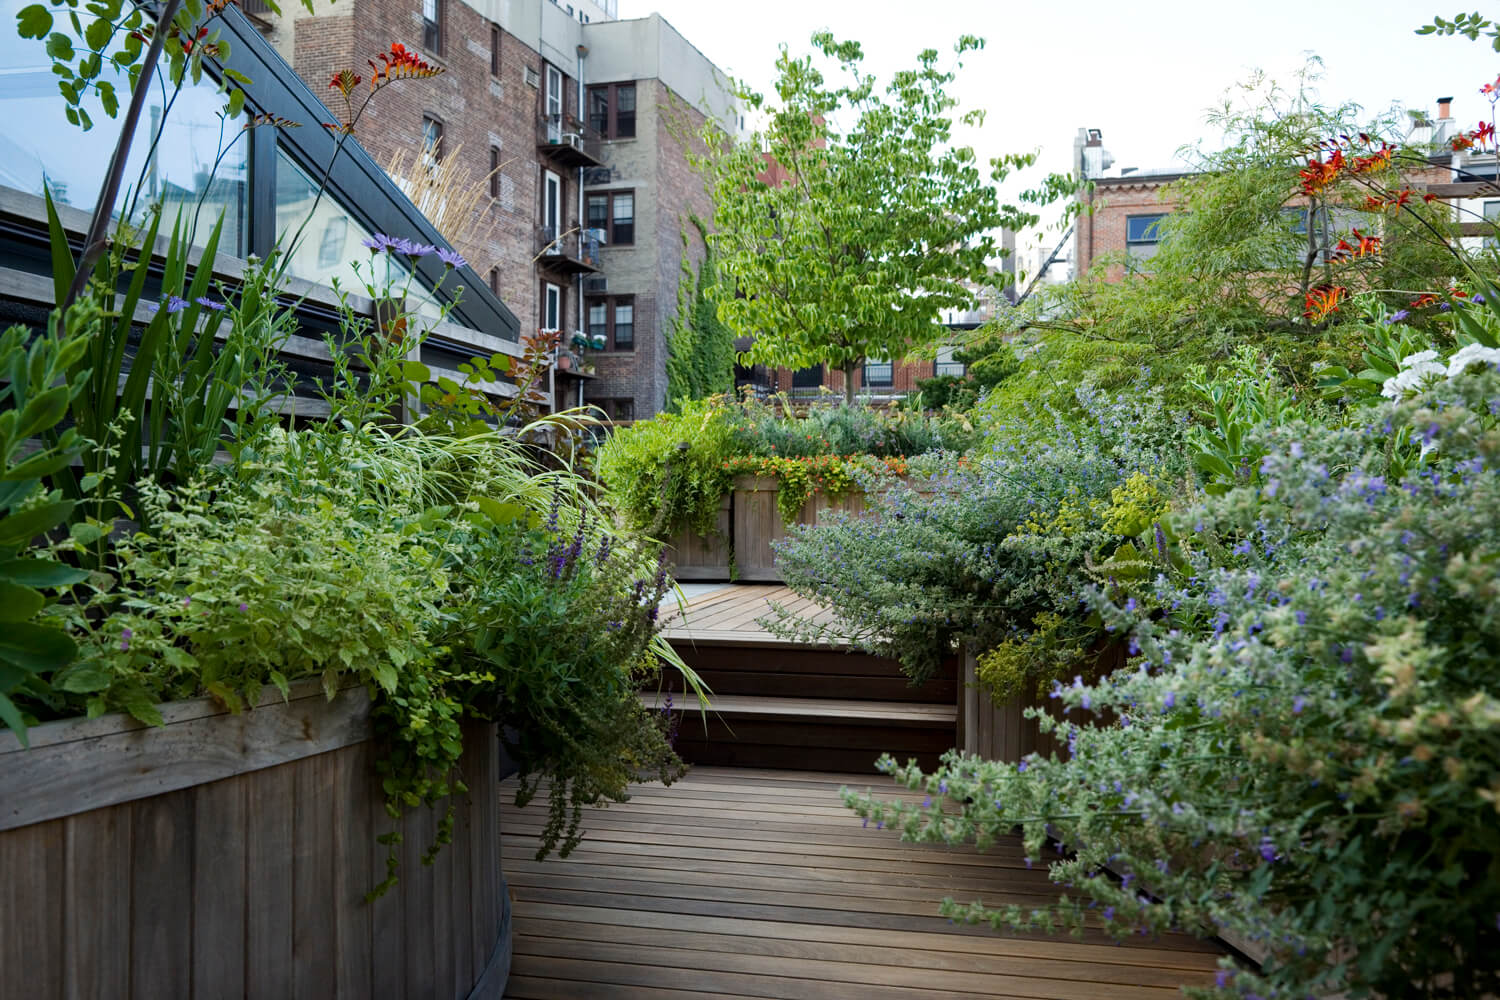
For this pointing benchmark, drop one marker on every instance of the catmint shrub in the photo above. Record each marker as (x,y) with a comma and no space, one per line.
(1307,751)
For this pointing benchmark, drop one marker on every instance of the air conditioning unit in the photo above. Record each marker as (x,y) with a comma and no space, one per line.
(532,78)
(596,283)
(573,139)
(597,235)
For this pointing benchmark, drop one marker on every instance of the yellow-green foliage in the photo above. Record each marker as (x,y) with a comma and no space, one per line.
(667,473)
(1134,507)
(1027,662)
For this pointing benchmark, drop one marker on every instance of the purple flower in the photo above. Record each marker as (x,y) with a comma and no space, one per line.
(187,602)
(1170,700)
(379,243)
(125,635)
(412,249)
(208,303)
(452,258)
(1302,618)
(1267,849)
(1109,913)
(244,607)
(1298,703)
(175,304)
(1398,316)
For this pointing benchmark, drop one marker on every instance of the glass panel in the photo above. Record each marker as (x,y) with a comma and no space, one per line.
(599,109)
(1491,214)
(625,111)
(1142,228)
(551,306)
(946,364)
(330,243)
(598,211)
(624,219)
(598,319)
(432,138)
(878,373)
(624,326)
(38,142)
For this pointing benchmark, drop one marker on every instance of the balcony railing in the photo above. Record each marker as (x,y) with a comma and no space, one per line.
(568,141)
(570,251)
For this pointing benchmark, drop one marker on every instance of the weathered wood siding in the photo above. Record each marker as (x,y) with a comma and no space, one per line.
(1002,732)
(697,557)
(757,523)
(229,856)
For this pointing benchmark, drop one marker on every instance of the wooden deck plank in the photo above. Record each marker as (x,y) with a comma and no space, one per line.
(894,713)
(731,615)
(759,883)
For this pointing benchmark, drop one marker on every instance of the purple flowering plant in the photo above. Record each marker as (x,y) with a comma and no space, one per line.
(1311,723)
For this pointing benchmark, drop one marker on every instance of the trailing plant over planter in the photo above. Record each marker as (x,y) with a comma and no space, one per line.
(670,473)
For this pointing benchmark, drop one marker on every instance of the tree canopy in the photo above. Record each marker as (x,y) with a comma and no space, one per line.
(846,227)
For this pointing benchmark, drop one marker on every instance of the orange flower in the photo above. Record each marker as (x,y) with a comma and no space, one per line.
(1323,300)
(344,81)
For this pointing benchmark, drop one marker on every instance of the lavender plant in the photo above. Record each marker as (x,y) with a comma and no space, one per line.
(561,622)
(997,556)
(1308,747)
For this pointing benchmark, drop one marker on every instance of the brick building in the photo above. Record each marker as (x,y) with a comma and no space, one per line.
(1123,212)
(577,125)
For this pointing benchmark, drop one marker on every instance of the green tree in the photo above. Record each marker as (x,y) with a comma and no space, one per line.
(700,348)
(846,241)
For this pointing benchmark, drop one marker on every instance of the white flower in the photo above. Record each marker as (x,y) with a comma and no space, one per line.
(1416,359)
(1412,379)
(1473,354)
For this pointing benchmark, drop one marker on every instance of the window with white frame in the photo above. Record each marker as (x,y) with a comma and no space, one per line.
(551,306)
(947,364)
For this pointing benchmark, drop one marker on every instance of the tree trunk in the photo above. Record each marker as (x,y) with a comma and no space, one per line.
(849,369)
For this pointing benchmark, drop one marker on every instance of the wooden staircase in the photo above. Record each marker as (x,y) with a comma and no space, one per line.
(779,704)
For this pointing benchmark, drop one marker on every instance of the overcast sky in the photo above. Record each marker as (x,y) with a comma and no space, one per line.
(1142,71)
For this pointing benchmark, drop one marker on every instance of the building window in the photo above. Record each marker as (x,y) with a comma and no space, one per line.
(1142,235)
(622,219)
(807,378)
(1492,216)
(612,110)
(879,374)
(331,246)
(946,363)
(614,319)
(551,306)
(613,214)
(432,26)
(494,172)
(623,338)
(494,50)
(619,410)
(432,138)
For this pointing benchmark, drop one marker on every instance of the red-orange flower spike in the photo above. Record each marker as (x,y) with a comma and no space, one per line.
(1484,133)
(344,81)
(1323,300)
(1424,300)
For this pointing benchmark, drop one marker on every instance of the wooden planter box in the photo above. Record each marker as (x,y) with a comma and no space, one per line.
(1002,732)
(702,558)
(229,855)
(757,523)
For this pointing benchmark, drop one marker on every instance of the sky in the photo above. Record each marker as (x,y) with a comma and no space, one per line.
(1144,72)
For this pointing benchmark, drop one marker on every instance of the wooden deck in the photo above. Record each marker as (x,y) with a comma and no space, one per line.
(727,613)
(753,883)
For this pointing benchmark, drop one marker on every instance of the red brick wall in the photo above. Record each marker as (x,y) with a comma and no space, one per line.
(478,111)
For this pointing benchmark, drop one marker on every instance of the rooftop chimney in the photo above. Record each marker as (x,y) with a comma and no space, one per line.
(1445,108)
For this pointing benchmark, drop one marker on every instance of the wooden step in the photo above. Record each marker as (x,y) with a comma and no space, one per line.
(804,672)
(823,733)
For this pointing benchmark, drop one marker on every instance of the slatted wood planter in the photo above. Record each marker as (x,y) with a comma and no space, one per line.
(229,855)
(1002,732)
(749,521)
(700,557)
